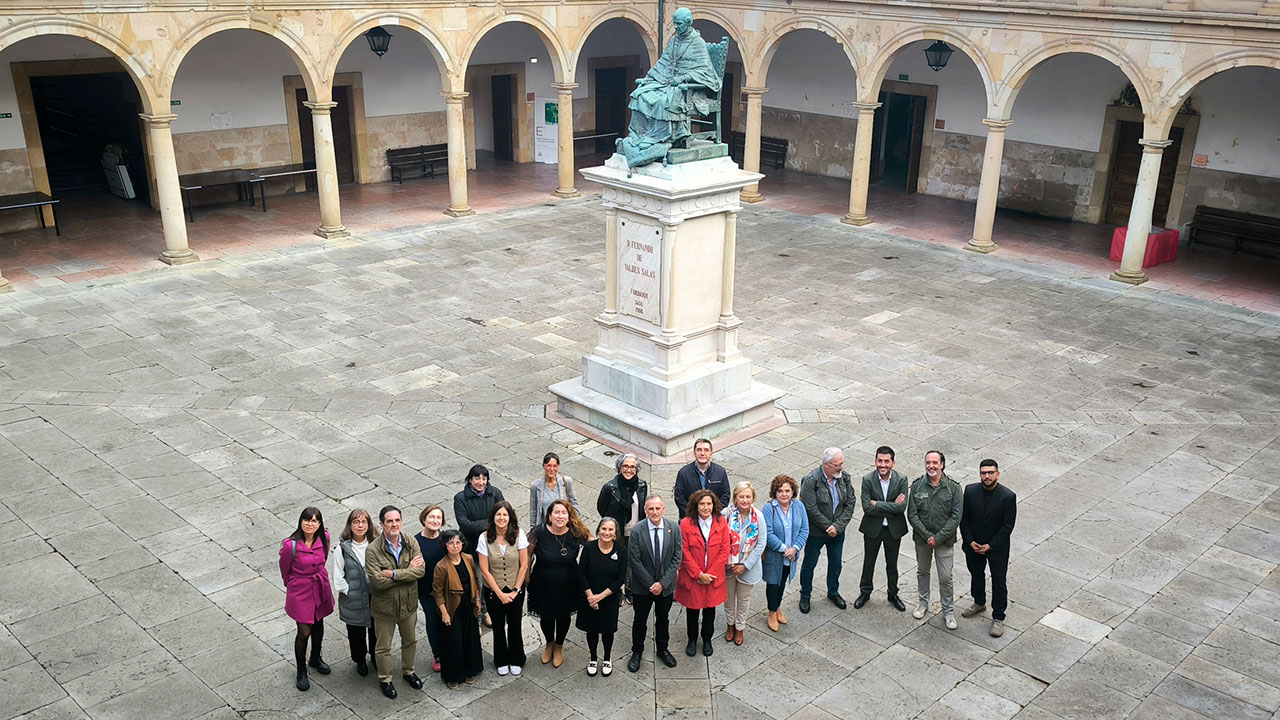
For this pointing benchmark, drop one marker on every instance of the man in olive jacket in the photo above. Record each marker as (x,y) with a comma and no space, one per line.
(828,498)
(394,565)
(884,522)
(934,513)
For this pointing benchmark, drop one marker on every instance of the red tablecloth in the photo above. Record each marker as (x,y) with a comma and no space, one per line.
(1162,245)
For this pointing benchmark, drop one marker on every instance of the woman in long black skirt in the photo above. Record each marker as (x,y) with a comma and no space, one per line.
(456,588)
(603,568)
(554,582)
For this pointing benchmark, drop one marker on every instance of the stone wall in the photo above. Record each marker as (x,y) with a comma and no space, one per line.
(1230,191)
(400,131)
(15,177)
(249,147)
(1046,180)
(819,144)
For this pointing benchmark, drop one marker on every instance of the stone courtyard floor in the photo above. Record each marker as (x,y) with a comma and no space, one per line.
(160,431)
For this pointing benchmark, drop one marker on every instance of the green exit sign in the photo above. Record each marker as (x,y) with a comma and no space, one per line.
(903,77)
(174,102)
(5,116)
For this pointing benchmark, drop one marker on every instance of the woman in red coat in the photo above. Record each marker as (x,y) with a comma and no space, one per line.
(704,535)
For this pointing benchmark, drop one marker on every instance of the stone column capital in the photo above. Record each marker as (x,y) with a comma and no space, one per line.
(1154,146)
(454,97)
(866,107)
(754,91)
(319,108)
(564,87)
(994,125)
(158,120)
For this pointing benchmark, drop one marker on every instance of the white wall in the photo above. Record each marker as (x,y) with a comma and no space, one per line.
(810,73)
(614,38)
(1238,128)
(962,97)
(404,81)
(238,72)
(50,47)
(1063,102)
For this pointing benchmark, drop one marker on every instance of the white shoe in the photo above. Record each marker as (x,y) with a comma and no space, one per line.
(504,669)
(919,612)
(951,622)
(606,668)
(591,667)
(515,670)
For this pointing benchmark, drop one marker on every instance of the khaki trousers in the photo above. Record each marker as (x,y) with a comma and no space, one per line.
(384,629)
(738,601)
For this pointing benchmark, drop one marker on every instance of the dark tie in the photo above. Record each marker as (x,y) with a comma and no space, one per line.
(657,564)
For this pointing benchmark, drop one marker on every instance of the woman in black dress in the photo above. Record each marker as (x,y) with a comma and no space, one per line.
(555,575)
(603,569)
(456,589)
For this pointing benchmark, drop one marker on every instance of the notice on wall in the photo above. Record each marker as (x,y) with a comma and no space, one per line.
(639,279)
(546,136)
(220,120)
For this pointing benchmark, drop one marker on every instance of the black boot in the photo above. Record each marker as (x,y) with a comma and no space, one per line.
(318,663)
(303,683)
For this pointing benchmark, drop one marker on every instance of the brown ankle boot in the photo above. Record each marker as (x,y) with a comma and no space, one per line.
(557,655)
(782,620)
(773,621)
(547,652)
(728,634)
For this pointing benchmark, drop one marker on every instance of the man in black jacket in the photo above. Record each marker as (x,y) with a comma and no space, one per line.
(990,510)
(701,474)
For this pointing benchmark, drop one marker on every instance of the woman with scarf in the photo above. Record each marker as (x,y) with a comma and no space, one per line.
(747,533)
(622,498)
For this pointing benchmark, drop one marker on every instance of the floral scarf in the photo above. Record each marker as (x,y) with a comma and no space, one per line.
(744,535)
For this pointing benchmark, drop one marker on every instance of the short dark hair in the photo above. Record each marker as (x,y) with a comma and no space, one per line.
(989,463)
(941,457)
(700,441)
(779,481)
(549,457)
(885,450)
(475,472)
(447,536)
(382,514)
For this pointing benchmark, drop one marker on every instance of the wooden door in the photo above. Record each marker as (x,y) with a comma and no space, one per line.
(918,105)
(503,142)
(611,105)
(340,120)
(1126,158)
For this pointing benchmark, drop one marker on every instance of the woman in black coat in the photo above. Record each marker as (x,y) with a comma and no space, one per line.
(603,569)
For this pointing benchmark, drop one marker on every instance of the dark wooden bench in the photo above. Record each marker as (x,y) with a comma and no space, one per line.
(773,151)
(37,200)
(417,161)
(1239,227)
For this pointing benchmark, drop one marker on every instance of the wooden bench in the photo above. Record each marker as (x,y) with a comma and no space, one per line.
(773,151)
(37,200)
(418,161)
(1239,227)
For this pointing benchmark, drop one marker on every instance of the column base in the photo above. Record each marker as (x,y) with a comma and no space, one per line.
(1129,277)
(333,233)
(5,287)
(463,211)
(566,194)
(980,247)
(859,220)
(179,257)
(750,196)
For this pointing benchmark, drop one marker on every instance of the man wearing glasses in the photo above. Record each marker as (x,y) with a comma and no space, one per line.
(990,510)
(828,498)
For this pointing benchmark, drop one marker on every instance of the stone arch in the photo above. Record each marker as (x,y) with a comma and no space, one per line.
(559,60)
(142,75)
(878,66)
(307,66)
(1181,90)
(428,34)
(720,19)
(1016,77)
(637,20)
(774,38)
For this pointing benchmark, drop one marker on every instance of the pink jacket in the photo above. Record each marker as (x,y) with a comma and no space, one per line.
(308,595)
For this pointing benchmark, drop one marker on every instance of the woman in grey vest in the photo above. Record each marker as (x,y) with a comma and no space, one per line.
(547,489)
(351,586)
(504,562)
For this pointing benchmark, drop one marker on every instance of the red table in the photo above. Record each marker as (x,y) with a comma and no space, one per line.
(1162,245)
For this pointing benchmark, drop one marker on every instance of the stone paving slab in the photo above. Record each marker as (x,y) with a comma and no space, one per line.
(159,433)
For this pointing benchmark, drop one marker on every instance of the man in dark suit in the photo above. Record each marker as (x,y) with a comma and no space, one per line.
(654,554)
(701,474)
(884,522)
(990,510)
(828,497)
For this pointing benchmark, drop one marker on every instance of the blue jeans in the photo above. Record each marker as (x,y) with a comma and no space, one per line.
(835,549)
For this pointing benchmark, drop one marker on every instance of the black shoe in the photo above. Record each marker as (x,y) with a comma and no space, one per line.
(362,668)
(667,658)
(692,648)
(414,681)
(861,600)
(389,690)
(303,683)
(896,602)
(706,647)
(634,663)
(838,601)
(804,605)
(319,664)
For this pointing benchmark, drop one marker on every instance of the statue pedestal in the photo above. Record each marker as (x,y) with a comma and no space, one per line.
(667,368)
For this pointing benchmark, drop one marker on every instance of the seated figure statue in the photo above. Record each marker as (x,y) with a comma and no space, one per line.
(676,87)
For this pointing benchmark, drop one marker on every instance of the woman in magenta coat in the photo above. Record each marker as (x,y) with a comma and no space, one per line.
(700,584)
(308,596)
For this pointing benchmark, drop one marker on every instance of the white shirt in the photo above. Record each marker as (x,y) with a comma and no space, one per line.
(705,526)
(482,546)
(884,492)
(649,528)
(636,512)
(338,565)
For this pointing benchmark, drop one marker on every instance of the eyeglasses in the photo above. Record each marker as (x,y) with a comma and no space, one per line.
(630,467)
(987,472)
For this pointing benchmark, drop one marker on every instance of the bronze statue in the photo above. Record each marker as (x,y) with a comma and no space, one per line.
(682,83)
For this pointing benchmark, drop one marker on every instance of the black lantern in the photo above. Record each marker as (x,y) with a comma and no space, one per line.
(936,54)
(380,41)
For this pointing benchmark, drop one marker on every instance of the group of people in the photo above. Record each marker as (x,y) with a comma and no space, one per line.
(721,548)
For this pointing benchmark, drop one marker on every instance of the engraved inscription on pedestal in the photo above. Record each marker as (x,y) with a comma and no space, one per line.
(639,277)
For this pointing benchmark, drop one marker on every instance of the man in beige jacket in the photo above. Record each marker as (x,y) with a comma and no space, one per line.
(394,565)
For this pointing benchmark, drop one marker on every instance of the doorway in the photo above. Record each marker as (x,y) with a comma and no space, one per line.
(503,125)
(898,140)
(78,117)
(340,119)
(728,99)
(611,106)
(1124,174)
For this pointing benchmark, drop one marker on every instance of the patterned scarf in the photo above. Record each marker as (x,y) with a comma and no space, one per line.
(747,534)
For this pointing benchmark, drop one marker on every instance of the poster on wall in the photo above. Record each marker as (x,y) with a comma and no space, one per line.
(546,131)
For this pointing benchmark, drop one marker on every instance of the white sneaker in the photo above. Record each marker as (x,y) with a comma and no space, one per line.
(591,667)
(515,669)
(951,622)
(504,669)
(919,612)
(606,668)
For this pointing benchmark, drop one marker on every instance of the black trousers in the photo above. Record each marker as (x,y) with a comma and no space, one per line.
(508,644)
(708,623)
(871,549)
(773,593)
(999,565)
(361,640)
(661,605)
